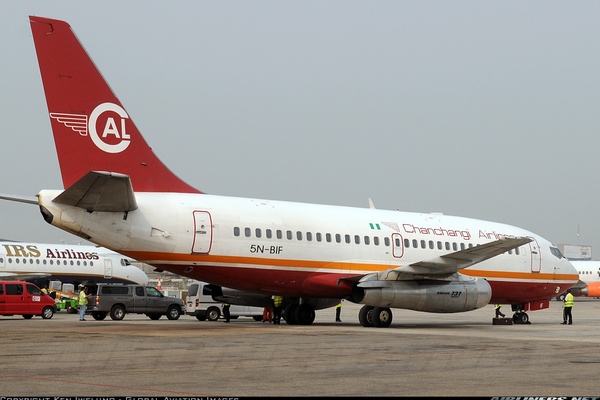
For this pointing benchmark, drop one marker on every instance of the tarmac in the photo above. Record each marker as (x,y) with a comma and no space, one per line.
(420,354)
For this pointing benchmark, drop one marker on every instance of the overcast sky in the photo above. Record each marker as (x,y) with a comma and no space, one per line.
(479,109)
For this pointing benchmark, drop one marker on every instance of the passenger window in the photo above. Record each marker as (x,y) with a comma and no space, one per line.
(347,237)
(356,239)
(367,240)
(440,247)
(258,232)
(269,233)
(386,241)
(309,236)
(279,234)
(236,231)
(423,246)
(328,237)
(319,236)
(397,242)
(431,245)
(338,238)
(376,240)
(406,243)
(247,232)
(298,235)
(289,235)
(415,243)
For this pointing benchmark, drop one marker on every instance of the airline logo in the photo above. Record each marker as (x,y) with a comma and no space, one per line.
(113,136)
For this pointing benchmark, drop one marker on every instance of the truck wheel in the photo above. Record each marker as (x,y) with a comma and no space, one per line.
(98,316)
(174,312)
(117,312)
(213,314)
(47,313)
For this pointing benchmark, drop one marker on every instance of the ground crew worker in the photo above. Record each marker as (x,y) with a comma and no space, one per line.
(568,303)
(277,300)
(226,312)
(338,311)
(498,312)
(83,302)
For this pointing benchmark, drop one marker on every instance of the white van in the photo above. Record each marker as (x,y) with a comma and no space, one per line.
(199,303)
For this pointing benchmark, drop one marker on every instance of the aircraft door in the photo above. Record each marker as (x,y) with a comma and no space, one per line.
(108,269)
(202,232)
(536,256)
(397,245)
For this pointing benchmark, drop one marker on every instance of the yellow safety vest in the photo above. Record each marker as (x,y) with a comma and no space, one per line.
(82,299)
(569,300)
(277,300)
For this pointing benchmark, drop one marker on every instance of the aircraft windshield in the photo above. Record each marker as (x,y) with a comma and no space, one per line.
(556,252)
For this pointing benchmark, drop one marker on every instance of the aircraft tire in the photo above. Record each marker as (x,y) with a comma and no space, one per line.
(47,313)
(382,317)
(304,314)
(365,316)
(521,318)
(289,314)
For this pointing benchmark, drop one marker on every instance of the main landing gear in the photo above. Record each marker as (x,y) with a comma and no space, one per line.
(379,317)
(520,316)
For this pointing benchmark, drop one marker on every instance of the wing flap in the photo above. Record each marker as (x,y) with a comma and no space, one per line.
(100,191)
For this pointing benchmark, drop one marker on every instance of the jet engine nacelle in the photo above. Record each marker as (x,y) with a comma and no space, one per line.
(466,294)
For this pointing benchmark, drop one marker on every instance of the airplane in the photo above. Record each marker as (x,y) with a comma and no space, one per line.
(589,279)
(118,194)
(78,264)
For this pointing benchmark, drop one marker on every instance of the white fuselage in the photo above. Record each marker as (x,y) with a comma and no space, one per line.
(302,249)
(67,263)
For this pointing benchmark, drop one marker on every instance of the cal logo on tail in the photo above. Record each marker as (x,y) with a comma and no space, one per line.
(92,130)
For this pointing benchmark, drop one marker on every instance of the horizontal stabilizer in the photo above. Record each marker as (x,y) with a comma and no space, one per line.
(100,191)
(453,262)
(20,199)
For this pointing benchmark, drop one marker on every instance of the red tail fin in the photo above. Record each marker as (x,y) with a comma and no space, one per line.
(92,130)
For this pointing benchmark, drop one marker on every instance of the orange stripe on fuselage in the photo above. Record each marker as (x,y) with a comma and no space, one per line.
(163,258)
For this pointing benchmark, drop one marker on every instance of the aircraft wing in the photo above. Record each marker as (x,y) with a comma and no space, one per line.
(15,276)
(100,191)
(453,262)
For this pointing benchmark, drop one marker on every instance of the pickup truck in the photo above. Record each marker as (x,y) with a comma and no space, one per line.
(117,300)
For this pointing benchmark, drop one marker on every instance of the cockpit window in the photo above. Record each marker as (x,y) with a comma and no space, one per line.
(125,262)
(556,252)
